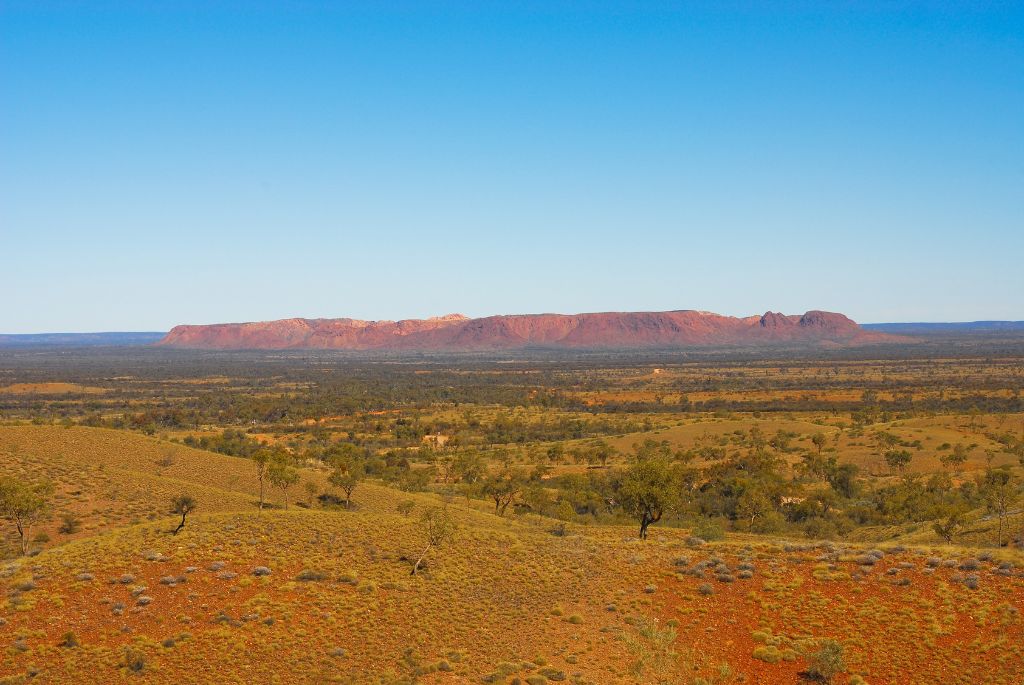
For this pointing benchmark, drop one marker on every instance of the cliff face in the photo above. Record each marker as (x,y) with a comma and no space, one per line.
(458,333)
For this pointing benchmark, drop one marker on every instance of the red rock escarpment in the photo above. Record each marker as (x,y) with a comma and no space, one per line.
(454,332)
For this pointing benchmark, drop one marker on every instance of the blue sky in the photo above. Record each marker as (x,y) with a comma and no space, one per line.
(165,163)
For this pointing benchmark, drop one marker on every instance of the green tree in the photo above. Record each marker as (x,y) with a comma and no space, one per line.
(311,490)
(503,488)
(282,474)
(898,459)
(556,452)
(182,505)
(469,466)
(998,489)
(752,505)
(25,505)
(819,440)
(261,460)
(949,528)
(648,491)
(599,452)
(650,448)
(957,457)
(814,466)
(843,479)
(346,475)
(885,441)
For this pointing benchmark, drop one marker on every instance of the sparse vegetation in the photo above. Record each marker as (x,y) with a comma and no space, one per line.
(777,522)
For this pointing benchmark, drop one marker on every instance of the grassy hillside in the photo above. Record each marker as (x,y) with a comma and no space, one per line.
(518,599)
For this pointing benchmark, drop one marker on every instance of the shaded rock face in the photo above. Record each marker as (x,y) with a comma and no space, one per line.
(775,321)
(454,332)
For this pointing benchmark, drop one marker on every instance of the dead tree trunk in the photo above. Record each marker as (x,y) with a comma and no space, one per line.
(416,566)
(646,519)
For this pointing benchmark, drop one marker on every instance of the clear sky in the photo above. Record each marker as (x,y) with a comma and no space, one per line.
(168,162)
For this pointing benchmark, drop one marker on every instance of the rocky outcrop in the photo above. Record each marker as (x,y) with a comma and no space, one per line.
(454,332)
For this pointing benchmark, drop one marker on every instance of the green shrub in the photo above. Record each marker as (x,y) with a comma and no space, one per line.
(708,529)
(827,662)
(133,659)
(69,524)
(769,654)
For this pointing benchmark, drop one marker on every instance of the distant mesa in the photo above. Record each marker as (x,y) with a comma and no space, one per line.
(605,330)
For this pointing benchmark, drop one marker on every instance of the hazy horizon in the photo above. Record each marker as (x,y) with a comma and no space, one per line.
(187,163)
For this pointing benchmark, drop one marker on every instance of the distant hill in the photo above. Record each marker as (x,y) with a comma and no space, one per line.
(609,330)
(923,328)
(78,339)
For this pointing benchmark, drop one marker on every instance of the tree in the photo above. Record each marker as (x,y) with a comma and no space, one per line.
(503,488)
(814,466)
(282,474)
(24,504)
(439,528)
(819,440)
(780,441)
(885,441)
(651,448)
(556,452)
(998,489)
(469,466)
(843,479)
(600,452)
(261,460)
(311,490)
(184,505)
(648,490)
(898,459)
(827,662)
(752,505)
(949,528)
(346,475)
(957,457)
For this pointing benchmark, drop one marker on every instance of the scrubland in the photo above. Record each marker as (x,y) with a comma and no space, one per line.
(792,520)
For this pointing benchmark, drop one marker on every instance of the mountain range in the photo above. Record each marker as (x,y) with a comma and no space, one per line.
(604,330)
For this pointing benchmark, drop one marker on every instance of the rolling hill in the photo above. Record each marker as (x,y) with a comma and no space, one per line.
(312,595)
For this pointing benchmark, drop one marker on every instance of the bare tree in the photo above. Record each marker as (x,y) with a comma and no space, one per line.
(439,528)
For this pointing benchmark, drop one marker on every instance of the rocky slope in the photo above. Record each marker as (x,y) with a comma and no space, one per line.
(455,332)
